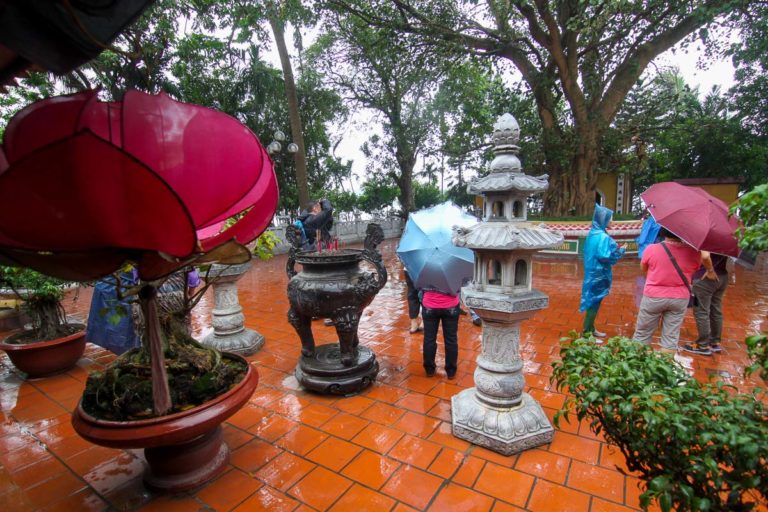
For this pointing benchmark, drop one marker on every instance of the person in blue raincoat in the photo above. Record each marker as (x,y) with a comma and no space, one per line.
(601,252)
(650,233)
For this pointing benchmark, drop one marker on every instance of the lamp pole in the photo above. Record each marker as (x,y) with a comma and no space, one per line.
(276,151)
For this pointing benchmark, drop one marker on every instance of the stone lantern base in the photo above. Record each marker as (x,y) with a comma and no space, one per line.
(503,430)
(229,333)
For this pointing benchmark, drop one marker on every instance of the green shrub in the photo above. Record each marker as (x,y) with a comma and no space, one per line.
(757,350)
(753,236)
(696,446)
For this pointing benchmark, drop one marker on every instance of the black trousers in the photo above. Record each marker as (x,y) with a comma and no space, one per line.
(450,320)
(414,305)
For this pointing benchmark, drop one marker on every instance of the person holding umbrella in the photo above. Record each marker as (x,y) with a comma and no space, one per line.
(670,266)
(601,252)
(709,284)
(439,269)
(437,308)
(701,222)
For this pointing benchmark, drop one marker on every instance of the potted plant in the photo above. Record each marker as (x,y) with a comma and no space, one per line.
(150,181)
(696,446)
(53,344)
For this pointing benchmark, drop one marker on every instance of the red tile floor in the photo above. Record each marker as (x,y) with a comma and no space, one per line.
(389,448)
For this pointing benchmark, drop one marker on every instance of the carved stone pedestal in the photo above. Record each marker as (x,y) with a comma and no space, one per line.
(324,372)
(496,413)
(229,333)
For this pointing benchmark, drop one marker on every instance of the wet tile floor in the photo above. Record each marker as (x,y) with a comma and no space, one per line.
(388,448)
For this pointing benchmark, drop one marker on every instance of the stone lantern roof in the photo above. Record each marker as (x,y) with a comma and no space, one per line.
(506,171)
(526,236)
(507,184)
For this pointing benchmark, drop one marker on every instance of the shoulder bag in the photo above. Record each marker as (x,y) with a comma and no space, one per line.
(692,300)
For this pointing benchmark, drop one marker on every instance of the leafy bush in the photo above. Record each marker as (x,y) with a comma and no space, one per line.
(264,248)
(696,446)
(753,236)
(753,212)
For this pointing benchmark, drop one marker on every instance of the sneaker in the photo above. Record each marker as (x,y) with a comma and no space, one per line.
(697,349)
(715,348)
(477,321)
(430,373)
(599,334)
(328,321)
(599,341)
(451,376)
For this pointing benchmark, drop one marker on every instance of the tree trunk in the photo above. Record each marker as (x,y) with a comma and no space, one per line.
(405,184)
(161,395)
(302,183)
(572,190)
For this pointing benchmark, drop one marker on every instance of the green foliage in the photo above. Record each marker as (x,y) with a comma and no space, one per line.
(265,245)
(377,193)
(426,195)
(577,60)
(752,209)
(342,201)
(696,446)
(757,350)
(34,87)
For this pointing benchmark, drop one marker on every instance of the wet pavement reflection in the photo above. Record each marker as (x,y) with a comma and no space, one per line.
(389,448)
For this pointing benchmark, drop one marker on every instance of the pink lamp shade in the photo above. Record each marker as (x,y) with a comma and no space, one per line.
(87,185)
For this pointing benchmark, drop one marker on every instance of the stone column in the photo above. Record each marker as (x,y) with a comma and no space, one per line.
(229,333)
(496,413)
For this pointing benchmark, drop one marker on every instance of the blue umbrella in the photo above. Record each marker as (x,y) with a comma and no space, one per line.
(426,250)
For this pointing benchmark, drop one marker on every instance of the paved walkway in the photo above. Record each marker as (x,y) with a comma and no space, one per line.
(390,448)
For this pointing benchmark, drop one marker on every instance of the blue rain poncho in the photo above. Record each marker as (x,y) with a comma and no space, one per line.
(601,252)
(649,234)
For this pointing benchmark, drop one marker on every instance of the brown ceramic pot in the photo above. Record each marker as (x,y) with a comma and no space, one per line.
(45,358)
(183,450)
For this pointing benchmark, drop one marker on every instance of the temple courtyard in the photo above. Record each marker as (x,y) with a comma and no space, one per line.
(389,448)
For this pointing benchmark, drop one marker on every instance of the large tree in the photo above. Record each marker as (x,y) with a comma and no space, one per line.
(373,69)
(587,53)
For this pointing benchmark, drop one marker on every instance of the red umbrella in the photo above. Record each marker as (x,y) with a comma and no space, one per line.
(693,215)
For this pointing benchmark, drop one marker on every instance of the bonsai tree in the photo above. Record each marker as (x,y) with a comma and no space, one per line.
(752,208)
(148,180)
(42,297)
(696,446)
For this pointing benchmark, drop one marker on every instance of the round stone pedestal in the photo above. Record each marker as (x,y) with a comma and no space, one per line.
(229,333)
(506,431)
(325,373)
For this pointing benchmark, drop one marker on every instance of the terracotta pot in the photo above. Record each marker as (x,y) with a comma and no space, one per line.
(183,450)
(45,358)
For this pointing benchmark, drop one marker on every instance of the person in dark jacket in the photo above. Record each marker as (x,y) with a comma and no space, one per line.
(317,216)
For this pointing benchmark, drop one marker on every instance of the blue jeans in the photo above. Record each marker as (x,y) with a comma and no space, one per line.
(450,319)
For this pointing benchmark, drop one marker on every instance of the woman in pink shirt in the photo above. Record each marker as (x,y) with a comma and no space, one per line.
(665,295)
(440,307)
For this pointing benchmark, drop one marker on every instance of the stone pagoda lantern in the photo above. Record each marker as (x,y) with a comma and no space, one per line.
(496,413)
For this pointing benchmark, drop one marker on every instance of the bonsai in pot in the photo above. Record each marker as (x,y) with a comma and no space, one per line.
(150,181)
(53,344)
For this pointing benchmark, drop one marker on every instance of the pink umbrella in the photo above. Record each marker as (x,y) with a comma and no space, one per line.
(86,185)
(694,215)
